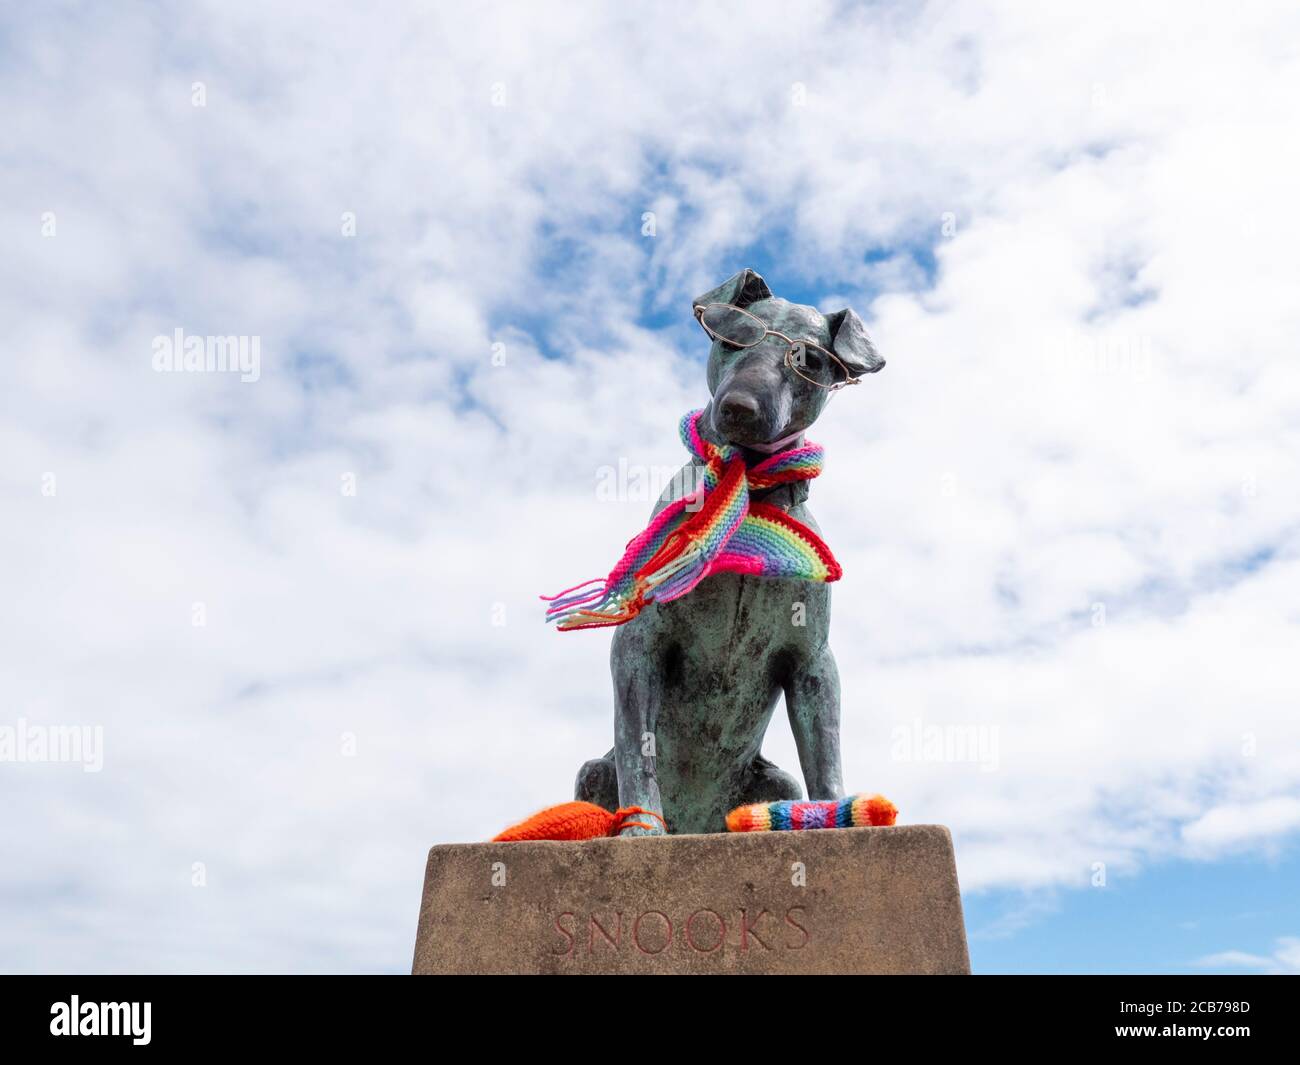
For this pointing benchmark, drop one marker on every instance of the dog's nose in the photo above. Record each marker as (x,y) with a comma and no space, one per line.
(739,409)
(740,417)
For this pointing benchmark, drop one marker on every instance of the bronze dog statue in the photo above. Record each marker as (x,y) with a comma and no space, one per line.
(696,680)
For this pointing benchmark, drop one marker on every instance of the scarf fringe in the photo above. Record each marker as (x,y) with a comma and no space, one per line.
(675,569)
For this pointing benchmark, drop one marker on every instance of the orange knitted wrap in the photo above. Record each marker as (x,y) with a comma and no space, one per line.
(575,820)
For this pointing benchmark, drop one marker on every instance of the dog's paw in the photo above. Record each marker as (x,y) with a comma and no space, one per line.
(638,821)
(641,830)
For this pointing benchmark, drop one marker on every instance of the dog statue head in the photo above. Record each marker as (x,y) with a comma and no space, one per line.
(774,364)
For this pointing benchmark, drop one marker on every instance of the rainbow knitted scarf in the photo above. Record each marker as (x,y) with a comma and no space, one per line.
(715,529)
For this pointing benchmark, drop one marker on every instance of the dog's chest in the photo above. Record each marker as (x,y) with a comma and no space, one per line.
(730,609)
(733,628)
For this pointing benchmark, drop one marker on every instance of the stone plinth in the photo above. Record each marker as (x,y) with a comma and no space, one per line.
(859,900)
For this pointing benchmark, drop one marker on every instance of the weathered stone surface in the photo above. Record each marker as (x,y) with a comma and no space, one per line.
(875,900)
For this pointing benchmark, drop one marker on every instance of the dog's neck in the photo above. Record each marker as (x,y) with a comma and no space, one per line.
(785,496)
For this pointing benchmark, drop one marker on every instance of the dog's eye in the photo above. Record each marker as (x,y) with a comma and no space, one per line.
(812,363)
(806,356)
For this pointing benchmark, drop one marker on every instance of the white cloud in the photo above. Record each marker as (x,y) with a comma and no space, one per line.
(1235,824)
(1094,404)
(1285,959)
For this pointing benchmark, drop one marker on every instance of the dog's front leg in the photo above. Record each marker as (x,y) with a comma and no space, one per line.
(636,706)
(812,698)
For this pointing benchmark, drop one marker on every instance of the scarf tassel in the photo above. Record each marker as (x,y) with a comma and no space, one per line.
(673,570)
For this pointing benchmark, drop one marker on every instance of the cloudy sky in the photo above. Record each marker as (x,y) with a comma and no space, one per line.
(301,610)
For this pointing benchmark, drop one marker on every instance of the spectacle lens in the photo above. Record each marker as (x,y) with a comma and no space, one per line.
(732,325)
(815,364)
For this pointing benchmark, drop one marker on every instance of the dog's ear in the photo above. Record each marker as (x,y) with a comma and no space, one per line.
(851,344)
(741,290)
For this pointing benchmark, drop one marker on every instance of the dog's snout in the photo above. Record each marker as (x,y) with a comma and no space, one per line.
(740,417)
(739,408)
(743,416)
(752,400)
